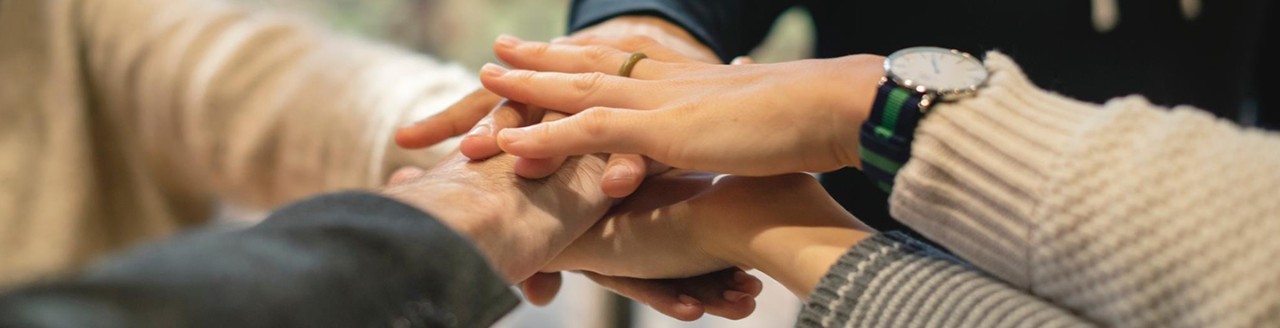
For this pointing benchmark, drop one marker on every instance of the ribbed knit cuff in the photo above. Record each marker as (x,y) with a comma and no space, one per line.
(978,164)
(833,300)
(891,280)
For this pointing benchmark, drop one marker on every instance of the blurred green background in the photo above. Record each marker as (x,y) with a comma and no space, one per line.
(463,30)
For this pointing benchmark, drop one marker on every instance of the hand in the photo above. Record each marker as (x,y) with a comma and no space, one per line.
(727,293)
(518,224)
(686,224)
(655,36)
(758,119)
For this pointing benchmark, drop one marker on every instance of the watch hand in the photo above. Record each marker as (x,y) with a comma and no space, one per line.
(935,65)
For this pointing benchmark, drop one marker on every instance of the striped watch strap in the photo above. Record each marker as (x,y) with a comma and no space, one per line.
(885,138)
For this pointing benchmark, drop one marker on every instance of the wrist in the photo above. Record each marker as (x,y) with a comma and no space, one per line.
(799,256)
(479,221)
(852,91)
(794,233)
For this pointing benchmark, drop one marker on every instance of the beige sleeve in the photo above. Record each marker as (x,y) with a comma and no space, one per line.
(1126,213)
(257,107)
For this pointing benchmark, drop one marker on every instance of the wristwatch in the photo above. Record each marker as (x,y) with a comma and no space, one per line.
(915,79)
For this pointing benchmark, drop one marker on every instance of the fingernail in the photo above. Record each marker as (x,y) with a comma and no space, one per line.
(688,300)
(735,296)
(507,41)
(480,130)
(619,172)
(559,39)
(492,69)
(741,277)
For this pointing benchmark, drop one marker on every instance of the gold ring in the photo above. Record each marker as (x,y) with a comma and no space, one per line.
(636,57)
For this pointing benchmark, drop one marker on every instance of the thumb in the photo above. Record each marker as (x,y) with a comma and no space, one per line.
(453,121)
(542,287)
(596,130)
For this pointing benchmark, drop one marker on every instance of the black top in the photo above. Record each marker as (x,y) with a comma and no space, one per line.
(340,260)
(1209,61)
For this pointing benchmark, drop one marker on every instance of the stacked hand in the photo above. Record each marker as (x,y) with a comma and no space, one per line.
(521,225)
(683,224)
(683,113)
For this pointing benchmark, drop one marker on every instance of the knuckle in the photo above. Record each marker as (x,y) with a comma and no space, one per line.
(597,54)
(594,122)
(588,83)
(640,41)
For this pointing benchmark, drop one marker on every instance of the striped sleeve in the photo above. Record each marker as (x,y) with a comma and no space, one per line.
(890,280)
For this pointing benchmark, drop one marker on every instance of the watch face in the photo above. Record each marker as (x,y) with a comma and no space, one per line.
(933,69)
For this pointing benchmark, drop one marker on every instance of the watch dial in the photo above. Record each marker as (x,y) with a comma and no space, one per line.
(936,69)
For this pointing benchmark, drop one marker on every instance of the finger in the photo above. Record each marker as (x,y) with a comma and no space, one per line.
(622,175)
(747,283)
(453,121)
(720,295)
(405,174)
(662,297)
(569,93)
(742,60)
(482,143)
(530,168)
(541,288)
(575,58)
(716,293)
(598,130)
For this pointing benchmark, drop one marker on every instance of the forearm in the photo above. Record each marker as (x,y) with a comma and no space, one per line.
(798,256)
(334,261)
(258,107)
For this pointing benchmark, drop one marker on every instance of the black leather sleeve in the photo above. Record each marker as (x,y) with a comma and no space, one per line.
(729,27)
(338,260)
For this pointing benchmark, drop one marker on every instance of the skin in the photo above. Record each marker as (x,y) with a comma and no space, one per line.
(687,224)
(482,114)
(522,224)
(758,120)
(654,36)
(518,224)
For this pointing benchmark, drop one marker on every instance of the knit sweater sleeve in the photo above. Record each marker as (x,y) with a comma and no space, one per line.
(1126,213)
(255,106)
(890,280)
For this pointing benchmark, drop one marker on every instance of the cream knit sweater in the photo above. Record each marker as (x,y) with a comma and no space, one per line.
(121,120)
(1125,214)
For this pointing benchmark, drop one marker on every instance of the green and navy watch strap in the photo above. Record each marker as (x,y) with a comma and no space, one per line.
(886,136)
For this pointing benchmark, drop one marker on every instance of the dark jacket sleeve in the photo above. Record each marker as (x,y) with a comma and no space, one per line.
(731,28)
(340,260)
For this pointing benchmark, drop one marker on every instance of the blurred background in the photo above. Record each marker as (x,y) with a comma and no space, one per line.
(462,31)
